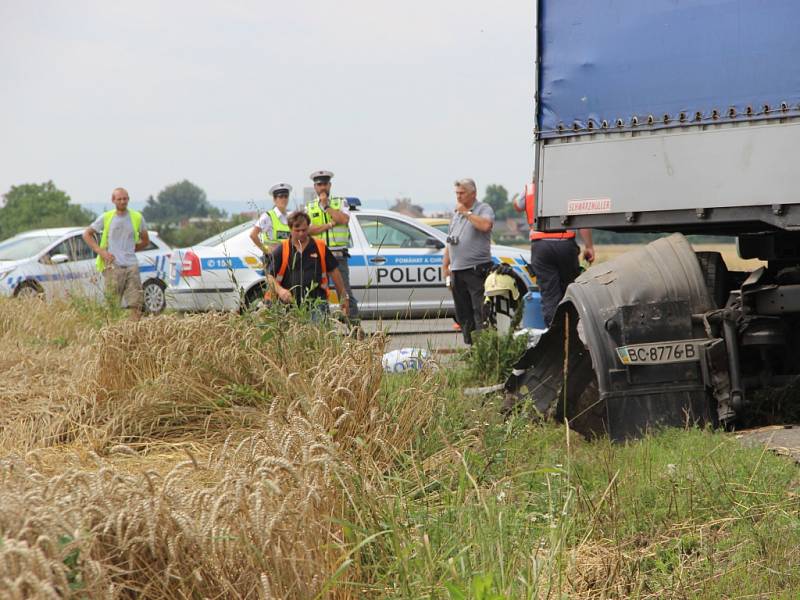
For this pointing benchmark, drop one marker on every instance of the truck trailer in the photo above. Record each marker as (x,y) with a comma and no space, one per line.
(679,117)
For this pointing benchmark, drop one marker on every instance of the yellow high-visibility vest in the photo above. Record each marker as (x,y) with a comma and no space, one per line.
(280,231)
(136,222)
(339,236)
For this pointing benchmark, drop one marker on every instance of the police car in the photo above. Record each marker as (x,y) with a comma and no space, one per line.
(58,263)
(436,222)
(395,268)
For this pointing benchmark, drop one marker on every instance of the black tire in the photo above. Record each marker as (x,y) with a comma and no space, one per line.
(715,273)
(543,381)
(29,289)
(155,298)
(254,297)
(584,410)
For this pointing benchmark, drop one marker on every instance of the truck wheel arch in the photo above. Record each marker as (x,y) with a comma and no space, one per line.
(646,295)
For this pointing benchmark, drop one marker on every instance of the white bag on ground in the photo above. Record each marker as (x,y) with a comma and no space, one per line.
(405,359)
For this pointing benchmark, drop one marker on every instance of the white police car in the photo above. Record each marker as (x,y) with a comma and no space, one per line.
(395,268)
(223,272)
(58,263)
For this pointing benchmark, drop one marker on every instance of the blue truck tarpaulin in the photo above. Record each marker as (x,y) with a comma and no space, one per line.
(610,60)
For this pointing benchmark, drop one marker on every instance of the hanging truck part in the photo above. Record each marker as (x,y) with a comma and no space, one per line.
(679,118)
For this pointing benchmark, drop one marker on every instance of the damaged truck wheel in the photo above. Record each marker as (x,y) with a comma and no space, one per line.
(641,357)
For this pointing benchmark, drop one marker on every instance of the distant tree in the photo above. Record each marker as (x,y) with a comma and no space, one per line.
(35,205)
(180,201)
(181,237)
(497,197)
(406,207)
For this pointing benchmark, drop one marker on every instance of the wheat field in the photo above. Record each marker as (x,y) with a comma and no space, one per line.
(200,457)
(728,251)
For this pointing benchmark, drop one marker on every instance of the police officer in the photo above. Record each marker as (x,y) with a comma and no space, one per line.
(272,226)
(330,218)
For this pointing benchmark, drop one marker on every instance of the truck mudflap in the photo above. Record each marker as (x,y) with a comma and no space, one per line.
(628,350)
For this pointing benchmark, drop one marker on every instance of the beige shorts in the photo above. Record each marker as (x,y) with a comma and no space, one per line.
(124,283)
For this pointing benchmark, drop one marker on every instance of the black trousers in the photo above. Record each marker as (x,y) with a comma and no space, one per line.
(343,258)
(466,285)
(555,263)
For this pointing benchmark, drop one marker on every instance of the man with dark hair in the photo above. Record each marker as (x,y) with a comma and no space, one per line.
(468,257)
(300,268)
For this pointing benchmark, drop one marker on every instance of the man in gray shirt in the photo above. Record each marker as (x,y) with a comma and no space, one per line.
(122,232)
(468,256)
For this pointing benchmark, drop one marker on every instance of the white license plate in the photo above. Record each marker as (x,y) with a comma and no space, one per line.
(661,353)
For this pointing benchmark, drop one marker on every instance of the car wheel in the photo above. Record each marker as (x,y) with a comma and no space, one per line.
(254,298)
(29,289)
(155,300)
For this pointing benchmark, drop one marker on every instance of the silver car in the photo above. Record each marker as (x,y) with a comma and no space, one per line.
(57,262)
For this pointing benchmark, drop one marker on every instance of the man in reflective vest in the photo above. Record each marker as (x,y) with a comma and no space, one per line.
(330,218)
(554,256)
(300,267)
(272,226)
(122,231)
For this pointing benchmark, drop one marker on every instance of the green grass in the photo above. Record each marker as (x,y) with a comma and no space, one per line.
(490,358)
(98,314)
(482,508)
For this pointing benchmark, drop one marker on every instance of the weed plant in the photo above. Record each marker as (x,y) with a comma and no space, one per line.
(491,357)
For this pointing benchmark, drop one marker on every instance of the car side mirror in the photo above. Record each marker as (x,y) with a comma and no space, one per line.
(58,259)
(432,242)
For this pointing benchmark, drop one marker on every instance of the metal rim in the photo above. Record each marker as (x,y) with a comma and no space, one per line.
(154,298)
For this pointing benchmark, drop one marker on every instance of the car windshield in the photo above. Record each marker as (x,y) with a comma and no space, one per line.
(219,238)
(20,247)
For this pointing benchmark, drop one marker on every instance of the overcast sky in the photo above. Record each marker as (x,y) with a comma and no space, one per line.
(397,98)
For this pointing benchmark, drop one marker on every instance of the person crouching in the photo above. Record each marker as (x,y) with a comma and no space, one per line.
(300,268)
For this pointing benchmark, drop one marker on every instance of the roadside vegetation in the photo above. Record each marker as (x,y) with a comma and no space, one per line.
(228,456)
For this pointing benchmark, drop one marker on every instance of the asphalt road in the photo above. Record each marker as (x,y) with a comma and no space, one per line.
(437,335)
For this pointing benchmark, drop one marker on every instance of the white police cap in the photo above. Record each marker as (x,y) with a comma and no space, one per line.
(321,176)
(280,187)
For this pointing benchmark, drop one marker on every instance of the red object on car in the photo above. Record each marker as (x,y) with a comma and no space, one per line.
(190,266)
